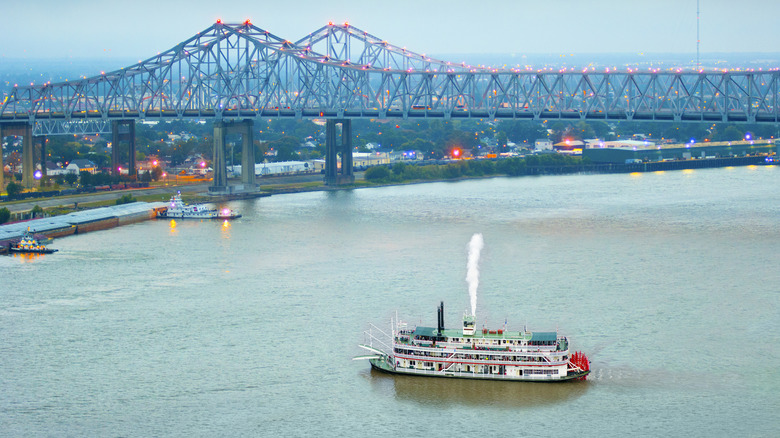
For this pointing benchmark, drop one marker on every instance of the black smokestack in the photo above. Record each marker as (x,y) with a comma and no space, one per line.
(441,318)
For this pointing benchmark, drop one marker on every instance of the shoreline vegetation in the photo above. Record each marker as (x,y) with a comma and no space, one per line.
(402,173)
(515,166)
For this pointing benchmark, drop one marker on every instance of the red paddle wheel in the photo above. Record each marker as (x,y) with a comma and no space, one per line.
(580,363)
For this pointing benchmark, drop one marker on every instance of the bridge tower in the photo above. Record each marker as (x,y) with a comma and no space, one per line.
(332,148)
(122,130)
(221,130)
(28,149)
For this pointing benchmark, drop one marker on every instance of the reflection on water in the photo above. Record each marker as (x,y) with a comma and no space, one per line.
(27,257)
(226,229)
(450,392)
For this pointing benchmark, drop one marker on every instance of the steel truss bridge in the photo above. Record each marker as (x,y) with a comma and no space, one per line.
(239,72)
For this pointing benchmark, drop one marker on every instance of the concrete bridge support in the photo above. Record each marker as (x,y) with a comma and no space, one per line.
(248,180)
(333,147)
(122,130)
(218,162)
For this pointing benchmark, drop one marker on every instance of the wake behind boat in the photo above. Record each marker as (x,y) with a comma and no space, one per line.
(177,209)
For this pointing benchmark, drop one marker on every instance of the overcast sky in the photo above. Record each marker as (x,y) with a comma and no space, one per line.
(139,29)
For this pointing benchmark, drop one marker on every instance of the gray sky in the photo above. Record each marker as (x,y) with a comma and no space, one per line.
(138,29)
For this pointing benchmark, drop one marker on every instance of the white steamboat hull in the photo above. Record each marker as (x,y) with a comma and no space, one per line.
(384,363)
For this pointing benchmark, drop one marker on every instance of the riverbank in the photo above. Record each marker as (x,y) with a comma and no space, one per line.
(304,183)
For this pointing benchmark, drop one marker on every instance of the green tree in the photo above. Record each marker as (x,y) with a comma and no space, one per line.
(522,131)
(502,140)
(377,174)
(36,211)
(125,199)
(85,178)
(5,215)
(285,148)
(13,189)
(600,129)
(732,133)
(71,178)
(584,130)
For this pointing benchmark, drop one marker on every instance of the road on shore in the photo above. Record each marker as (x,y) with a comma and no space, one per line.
(16,207)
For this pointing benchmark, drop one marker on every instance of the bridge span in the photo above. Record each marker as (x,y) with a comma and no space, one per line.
(237,73)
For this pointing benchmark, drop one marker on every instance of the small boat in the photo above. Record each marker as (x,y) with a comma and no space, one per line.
(29,244)
(472,354)
(177,209)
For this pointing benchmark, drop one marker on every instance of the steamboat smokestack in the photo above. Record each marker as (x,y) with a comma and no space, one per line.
(441,318)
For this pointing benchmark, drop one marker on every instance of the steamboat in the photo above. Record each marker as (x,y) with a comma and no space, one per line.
(468,353)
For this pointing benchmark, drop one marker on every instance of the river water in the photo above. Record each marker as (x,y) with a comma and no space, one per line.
(670,282)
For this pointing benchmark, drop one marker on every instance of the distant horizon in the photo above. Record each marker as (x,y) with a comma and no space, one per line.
(512,54)
(27,71)
(82,28)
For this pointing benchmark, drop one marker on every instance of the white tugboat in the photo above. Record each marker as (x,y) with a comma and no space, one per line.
(29,244)
(467,353)
(177,209)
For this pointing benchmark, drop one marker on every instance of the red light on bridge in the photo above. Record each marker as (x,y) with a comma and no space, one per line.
(219,21)
(247,23)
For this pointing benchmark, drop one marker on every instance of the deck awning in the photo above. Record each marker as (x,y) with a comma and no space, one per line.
(544,336)
(429,332)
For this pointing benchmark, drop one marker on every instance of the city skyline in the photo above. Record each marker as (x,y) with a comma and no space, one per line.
(84,29)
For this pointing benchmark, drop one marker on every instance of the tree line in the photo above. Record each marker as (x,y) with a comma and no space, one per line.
(514,166)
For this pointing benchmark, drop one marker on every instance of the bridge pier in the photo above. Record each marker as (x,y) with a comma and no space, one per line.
(219,163)
(333,147)
(122,130)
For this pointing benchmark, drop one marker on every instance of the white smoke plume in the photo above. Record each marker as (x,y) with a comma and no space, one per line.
(472,269)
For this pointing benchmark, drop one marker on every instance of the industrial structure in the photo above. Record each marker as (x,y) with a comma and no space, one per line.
(686,151)
(238,73)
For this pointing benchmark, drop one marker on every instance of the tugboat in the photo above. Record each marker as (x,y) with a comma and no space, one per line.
(177,209)
(29,244)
